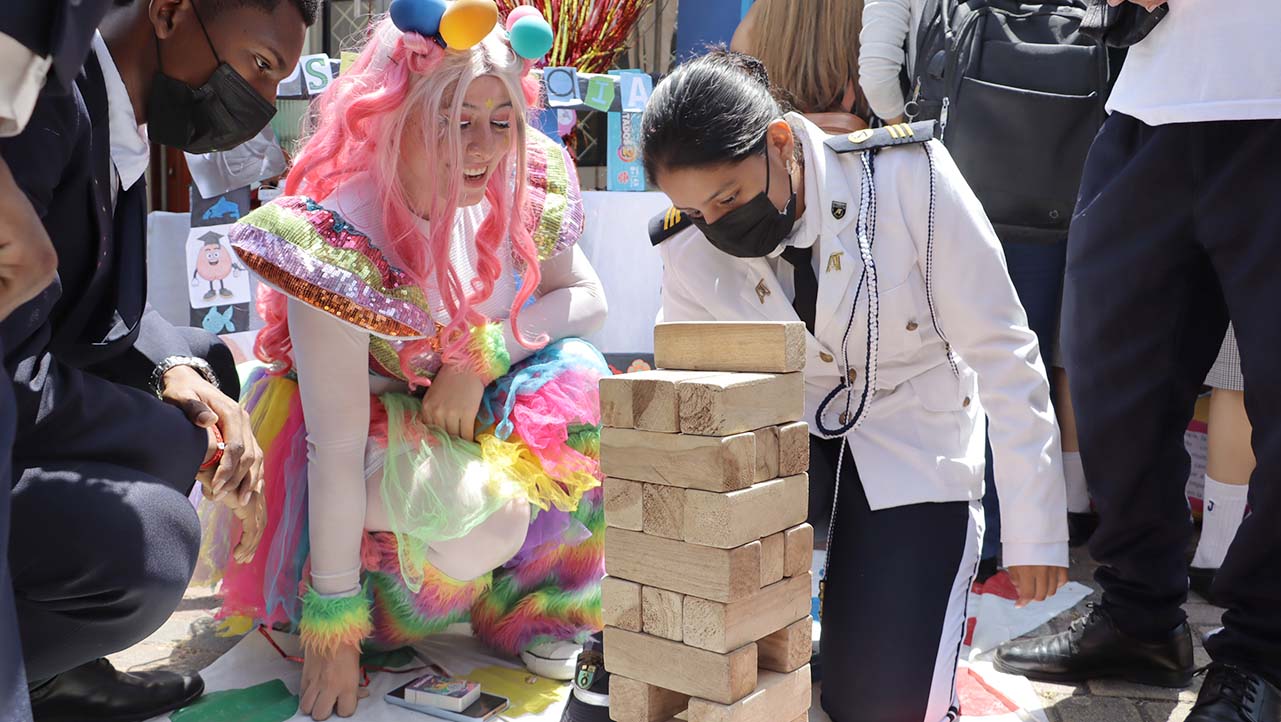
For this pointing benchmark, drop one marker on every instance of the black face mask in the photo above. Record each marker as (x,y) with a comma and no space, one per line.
(754,229)
(219,115)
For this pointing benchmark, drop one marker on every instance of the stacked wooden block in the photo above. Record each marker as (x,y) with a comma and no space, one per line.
(707,602)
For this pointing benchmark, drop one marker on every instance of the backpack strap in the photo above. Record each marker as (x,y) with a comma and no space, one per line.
(890,135)
(667,224)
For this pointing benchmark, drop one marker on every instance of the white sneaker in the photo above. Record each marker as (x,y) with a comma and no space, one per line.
(553,660)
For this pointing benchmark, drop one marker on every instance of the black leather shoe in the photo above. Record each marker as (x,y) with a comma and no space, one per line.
(1081,526)
(96,691)
(1232,694)
(1093,648)
(1200,580)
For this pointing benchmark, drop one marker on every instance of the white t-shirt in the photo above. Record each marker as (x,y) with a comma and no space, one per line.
(1208,60)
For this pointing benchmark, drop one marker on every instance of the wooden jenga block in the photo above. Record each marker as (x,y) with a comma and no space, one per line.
(777,697)
(772,548)
(798,551)
(620,602)
(733,403)
(719,627)
(767,459)
(663,510)
(645,400)
(699,462)
(634,701)
(723,575)
(661,613)
(623,504)
(793,448)
(789,648)
(760,347)
(616,402)
(734,519)
(723,678)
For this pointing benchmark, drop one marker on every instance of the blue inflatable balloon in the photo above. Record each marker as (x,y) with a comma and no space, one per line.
(531,37)
(418,16)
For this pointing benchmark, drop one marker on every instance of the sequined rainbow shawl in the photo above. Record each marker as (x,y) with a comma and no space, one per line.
(312,254)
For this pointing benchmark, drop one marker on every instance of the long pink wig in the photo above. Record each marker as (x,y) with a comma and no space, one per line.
(403,83)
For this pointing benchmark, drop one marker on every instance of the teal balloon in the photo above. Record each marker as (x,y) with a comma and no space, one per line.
(531,37)
(418,16)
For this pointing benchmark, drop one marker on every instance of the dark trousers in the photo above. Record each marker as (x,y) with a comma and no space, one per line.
(103,539)
(13,681)
(1177,228)
(894,601)
(1036,268)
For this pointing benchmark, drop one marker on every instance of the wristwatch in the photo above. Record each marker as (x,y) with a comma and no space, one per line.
(200,365)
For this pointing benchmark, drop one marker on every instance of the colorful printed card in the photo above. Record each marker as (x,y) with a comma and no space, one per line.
(434,690)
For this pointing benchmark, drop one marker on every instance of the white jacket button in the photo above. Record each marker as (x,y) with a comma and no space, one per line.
(825,357)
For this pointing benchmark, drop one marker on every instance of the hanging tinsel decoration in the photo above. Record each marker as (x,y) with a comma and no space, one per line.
(589,34)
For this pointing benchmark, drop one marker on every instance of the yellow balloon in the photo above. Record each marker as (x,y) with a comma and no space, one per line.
(467,22)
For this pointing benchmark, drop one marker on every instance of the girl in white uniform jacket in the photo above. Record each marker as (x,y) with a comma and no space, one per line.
(780,222)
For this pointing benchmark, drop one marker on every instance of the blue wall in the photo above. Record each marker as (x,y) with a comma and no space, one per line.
(700,23)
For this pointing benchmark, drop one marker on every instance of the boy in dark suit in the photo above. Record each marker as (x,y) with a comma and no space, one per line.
(103,540)
(38,42)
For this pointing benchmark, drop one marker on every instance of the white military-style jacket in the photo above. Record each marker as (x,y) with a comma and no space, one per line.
(951,339)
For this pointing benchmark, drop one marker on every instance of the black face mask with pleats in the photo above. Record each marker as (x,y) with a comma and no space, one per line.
(754,229)
(221,114)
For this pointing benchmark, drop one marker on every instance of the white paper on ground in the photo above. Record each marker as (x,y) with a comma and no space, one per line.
(254,661)
(997,620)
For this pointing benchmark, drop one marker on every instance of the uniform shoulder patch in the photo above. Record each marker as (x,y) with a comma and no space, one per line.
(890,135)
(667,224)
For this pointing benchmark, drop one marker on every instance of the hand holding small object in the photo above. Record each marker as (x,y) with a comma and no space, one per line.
(1036,583)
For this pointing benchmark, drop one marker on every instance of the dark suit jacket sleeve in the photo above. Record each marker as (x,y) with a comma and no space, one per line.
(61,29)
(157,340)
(40,156)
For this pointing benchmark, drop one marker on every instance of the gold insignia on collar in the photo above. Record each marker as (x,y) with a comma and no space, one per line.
(861,136)
(899,131)
(834,261)
(671,218)
(762,291)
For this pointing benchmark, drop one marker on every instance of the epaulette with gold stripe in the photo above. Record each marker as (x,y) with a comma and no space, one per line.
(667,224)
(890,135)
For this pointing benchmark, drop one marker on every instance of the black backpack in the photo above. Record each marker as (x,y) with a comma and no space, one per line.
(1019,94)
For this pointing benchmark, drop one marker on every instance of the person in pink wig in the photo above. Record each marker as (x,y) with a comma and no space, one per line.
(429,416)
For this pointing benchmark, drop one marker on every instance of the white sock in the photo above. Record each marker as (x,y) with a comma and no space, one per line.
(1078,496)
(1224,510)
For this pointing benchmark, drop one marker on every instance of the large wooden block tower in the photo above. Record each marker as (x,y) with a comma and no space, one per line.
(707,602)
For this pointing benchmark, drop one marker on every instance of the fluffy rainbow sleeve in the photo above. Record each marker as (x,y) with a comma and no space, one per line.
(332,622)
(487,348)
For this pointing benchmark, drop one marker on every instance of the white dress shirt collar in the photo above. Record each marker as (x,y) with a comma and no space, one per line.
(130,149)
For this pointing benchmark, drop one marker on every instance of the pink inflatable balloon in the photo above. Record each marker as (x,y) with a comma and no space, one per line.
(520,12)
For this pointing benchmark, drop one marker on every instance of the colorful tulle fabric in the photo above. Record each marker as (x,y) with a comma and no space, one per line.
(539,442)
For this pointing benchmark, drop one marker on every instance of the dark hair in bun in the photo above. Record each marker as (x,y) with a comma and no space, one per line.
(711,110)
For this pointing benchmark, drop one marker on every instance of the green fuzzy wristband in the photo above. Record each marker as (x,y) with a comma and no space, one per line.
(329,623)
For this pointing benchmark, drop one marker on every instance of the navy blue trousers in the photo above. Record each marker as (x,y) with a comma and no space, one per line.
(103,539)
(1177,229)
(1036,261)
(13,681)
